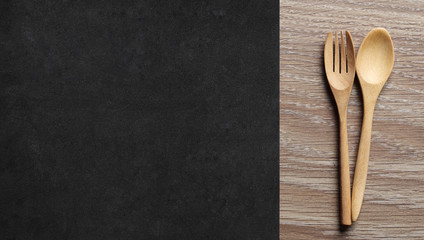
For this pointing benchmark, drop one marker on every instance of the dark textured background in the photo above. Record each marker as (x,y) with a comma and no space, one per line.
(139,120)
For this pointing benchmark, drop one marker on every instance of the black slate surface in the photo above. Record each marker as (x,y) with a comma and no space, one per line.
(139,119)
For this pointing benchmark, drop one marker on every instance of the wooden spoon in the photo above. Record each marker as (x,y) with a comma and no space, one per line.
(374,63)
(340,70)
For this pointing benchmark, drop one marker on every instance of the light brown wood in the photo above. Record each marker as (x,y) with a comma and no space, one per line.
(393,205)
(374,64)
(341,82)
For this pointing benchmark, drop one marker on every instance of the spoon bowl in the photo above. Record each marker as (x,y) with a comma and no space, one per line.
(375,59)
(374,63)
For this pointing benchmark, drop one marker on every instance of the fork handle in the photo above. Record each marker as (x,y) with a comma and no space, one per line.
(361,168)
(345,204)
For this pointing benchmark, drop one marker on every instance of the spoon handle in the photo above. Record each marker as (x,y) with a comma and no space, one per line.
(361,168)
(346,216)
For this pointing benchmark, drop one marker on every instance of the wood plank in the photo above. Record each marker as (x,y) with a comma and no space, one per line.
(393,205)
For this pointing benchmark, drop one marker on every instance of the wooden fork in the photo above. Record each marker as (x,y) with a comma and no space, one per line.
(340,70)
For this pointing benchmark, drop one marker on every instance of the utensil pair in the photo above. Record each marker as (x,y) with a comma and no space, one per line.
(373,65)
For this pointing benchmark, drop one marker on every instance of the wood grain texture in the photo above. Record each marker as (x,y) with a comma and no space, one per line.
(393,206)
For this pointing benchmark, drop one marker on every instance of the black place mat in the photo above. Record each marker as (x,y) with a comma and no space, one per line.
(139,120)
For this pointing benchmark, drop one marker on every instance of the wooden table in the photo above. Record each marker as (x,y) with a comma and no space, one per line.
(393,206)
